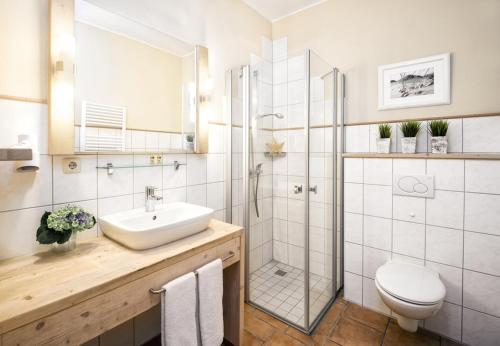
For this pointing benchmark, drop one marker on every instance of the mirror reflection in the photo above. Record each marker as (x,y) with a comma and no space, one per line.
(135,87)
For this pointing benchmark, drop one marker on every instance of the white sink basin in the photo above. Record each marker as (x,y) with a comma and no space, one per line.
(139,230)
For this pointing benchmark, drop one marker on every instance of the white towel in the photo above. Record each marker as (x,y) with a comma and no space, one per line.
(210,303)
(178,315)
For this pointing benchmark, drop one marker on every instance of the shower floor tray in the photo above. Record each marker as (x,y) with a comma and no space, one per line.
(283,294)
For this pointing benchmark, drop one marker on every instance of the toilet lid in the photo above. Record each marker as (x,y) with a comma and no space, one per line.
(412,283)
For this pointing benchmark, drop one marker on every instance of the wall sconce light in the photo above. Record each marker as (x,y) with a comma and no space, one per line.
(64,54)
(206,90)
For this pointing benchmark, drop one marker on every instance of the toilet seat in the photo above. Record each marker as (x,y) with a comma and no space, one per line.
(411,283)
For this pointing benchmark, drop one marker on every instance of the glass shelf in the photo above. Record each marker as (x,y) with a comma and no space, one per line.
(110,167)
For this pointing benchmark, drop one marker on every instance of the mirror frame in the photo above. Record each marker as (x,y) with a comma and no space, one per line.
(62,84)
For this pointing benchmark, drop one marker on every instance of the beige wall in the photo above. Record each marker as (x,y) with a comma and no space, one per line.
(233,32)
(24,48)
(116,70)
(358,35)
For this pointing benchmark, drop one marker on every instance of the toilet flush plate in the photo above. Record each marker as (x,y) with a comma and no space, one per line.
(414,185)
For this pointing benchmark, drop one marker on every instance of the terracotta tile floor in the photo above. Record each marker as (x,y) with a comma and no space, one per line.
(344,324)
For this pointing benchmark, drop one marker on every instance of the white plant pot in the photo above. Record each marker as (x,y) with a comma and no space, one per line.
(409,145)
(439,145)
(383,145)
(189,145)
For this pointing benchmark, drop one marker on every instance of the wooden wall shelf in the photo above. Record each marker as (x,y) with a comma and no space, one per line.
(451,156)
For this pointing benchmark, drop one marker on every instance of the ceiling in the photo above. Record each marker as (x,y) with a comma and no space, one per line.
(183,20)
(179,20)
(274,10)
(88,13)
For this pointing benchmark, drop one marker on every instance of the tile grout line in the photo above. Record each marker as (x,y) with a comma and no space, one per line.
(425,227)
(463,255)
(363,236)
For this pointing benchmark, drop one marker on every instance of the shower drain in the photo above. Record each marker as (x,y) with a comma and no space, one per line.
(280,272)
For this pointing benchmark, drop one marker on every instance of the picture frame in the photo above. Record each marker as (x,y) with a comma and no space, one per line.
(415,83)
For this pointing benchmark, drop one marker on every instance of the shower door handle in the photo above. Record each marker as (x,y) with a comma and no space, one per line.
(314,189)
(297,189)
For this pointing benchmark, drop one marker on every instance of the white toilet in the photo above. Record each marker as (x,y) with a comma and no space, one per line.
(413,292)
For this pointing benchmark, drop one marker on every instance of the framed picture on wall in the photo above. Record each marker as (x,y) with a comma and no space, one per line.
(415,83)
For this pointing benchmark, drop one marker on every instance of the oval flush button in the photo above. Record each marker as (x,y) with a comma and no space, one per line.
(420,188)
(412,214)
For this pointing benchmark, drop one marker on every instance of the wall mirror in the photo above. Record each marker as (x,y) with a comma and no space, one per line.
(135,89)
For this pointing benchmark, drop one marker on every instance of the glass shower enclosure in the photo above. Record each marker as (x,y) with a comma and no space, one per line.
(284,133)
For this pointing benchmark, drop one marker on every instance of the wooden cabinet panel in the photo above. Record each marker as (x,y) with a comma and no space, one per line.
(93,317)
(107,285)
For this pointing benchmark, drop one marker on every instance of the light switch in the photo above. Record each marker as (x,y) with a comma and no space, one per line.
(414,185)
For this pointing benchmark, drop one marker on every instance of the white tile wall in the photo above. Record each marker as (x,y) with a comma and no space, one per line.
(482,253)
(27,189)
(444,245)
(377,232)
(452,280)
(408,238)
(377,200)
(446,209)
(353,288)
(481,292)
(353,225)
(448,174)
(372,260)
(353,258)
(456,233)
(357,139)
(25,196)
(371,298)
(482,176)
(447,321)
(468,135)
(482,213)
(378,172)
(479,329)
(480,135)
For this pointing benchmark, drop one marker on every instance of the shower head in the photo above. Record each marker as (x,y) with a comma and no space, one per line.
(277,115)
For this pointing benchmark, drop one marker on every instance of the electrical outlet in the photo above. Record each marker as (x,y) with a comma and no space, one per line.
(71,165)
(155,159)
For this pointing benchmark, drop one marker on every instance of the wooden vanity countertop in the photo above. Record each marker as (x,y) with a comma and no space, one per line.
(38,285)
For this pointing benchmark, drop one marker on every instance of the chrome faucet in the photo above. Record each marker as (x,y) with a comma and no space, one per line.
(151,198)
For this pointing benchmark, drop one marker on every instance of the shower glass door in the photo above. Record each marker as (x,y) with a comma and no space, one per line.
(281,135)
(321,175)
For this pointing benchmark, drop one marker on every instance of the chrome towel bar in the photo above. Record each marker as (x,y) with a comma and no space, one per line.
(230,255)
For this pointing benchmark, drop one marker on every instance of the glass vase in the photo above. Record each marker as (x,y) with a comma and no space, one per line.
(65,247)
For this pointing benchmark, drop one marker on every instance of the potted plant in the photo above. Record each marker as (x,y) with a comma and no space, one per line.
(438,130)
(189,142)
(61,227)
(410,131)
(384,140)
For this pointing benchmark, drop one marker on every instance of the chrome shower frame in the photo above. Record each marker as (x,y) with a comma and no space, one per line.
(337,150)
